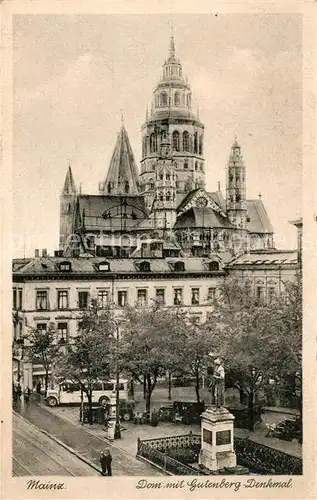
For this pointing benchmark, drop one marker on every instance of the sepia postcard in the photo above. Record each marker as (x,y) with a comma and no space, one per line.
(158,223)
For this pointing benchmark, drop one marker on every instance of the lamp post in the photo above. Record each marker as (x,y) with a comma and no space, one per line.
(117,432)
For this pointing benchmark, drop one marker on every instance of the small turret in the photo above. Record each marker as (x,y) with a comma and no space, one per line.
(67,209)
(236,187)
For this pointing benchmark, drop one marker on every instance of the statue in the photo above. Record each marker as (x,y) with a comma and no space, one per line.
(218,384)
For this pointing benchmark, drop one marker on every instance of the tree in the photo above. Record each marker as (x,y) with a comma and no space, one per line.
(248,335)
(195,345)
(87,358)
(42,344)
(148,337)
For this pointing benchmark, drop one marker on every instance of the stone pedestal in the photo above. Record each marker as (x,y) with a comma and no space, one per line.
(217,451)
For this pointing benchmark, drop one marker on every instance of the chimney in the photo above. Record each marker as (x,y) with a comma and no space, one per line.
(44,252)
(36,252)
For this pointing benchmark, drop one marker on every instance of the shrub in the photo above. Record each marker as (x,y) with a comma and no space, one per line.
(183,455)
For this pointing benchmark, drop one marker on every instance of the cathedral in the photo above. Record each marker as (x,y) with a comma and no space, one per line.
(163,209)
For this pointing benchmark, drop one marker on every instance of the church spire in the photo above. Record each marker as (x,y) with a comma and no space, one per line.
(69,184)
(172,47)
(123,176)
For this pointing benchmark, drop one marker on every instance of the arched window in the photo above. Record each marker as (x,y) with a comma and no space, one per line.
(164,99)
(213,266)
(177,99)
(201,145)
(168,196)
(167,176)
(185,166)
(196,165)
(110,187)
(175,140)
(185,141)
(126,186)
(151,183)
(238,196)
(161,197)
(152,143)
(188,100)
(176,181)
(195,142)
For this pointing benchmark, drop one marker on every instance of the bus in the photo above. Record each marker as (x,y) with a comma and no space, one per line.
(68,392)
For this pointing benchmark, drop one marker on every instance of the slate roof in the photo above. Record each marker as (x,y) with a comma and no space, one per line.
(259,219)
(94,206)
(123,168)
(219,199)
(48,266)
(277,257)
(202,217)
(174,113)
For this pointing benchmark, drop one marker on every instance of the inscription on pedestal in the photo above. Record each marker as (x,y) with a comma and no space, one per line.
(223,437)
(207,436)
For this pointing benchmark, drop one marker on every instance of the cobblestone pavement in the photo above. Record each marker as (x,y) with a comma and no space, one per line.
(85,443)
(132,431)
(35,454)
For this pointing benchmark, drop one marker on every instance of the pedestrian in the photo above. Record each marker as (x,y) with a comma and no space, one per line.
(27,394)
(19,390)
(105,462)
(38,387)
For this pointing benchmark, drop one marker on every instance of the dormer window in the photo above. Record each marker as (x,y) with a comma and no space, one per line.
(65,266)
(213,266)
(144,267)
(179,266)
(104,266)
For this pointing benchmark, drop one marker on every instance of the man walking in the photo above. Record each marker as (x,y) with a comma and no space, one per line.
(105,462)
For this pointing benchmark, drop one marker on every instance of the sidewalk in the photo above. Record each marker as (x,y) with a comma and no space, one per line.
(128,442)
(86,443)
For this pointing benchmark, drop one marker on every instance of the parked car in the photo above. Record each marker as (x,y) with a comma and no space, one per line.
(188,412)
(126,409)
(288,430)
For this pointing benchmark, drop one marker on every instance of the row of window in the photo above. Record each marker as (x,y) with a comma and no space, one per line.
(178,99)
(42,299)
(143,266)
(142,301)
(180,142)
(150,167)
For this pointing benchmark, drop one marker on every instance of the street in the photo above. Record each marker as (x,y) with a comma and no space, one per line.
(35,454)
(86,445)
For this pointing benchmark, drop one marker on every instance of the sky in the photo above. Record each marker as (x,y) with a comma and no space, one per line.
(73,76)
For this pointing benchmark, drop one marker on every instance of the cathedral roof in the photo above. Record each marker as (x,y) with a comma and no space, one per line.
(202,217)
(106,211)
(216,197)
(259,221)
(170,113)
(123,176)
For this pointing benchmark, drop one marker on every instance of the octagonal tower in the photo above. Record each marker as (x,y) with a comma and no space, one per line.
(172,118)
